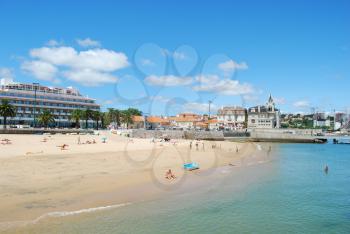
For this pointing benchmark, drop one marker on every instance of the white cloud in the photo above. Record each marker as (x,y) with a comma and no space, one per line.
(160,98)
(6,76)
(89,77)
(199,107)
(97,59)
(212,83)
(147,62)
(53,43)
(179,55)
(169,80)
(231,65)
(90,67)
(175,55)
(252,98)
(40,69)
(279,101)
(87,42)
(301,104)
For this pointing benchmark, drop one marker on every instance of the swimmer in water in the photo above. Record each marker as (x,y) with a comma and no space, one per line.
(326,169)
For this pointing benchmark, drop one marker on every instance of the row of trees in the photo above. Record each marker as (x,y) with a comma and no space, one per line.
(103,119)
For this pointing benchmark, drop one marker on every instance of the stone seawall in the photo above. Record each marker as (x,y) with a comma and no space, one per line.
(257,135)
(172,134)
(286,135)
(42,131)
(178,134)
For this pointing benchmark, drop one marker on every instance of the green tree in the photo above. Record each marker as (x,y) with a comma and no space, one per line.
(127,117)
(114,115)
(103,119)
(134,111)
(76,116)
(87,115)
(245,118)
(45,118)
(7,110)
(97,116)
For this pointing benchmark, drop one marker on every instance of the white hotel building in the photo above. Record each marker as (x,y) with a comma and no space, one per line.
(31,99)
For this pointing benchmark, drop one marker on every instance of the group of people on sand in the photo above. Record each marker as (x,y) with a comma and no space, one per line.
(88,142)
(197,144)
(6,141)
(163,140)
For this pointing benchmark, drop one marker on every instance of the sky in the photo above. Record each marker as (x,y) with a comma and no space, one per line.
(165,57)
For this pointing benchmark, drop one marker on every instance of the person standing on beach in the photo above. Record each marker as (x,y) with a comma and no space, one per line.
(196,145)
(190,145)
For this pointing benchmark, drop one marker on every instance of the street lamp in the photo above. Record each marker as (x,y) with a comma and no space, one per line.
(35,86)
(210,102)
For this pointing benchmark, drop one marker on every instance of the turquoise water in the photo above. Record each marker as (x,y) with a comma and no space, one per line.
(290,194)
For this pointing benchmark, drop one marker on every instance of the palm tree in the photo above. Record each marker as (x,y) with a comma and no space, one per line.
(104,117)
(7,110)
(127,118)
(76,116)
(134,112)
(46,118)
(114,115)
(87,114)
(96,115)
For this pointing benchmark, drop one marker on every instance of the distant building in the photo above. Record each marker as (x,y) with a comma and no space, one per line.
(213,124)
(320,120)
(341,120)
(137,122)
(32,99)
(231,118)
(186,121)
(267,116)
(156,122)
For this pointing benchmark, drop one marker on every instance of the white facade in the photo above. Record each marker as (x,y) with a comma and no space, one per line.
(267,116)
(231,118)
(31,99)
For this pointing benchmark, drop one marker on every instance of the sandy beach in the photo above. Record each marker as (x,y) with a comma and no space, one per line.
(37,176)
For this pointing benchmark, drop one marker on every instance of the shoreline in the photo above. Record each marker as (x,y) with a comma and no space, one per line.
(35,185)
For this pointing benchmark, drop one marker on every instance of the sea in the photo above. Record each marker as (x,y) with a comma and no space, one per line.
(289,193)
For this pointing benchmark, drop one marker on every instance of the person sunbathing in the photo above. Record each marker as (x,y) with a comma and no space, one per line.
(63,147)
(169,175)
(6,141)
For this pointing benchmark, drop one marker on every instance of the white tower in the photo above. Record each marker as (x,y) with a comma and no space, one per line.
(270,105)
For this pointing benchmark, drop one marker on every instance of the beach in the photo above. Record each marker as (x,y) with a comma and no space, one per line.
(38,176)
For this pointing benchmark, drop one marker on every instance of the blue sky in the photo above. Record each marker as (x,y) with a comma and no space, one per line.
(164,57)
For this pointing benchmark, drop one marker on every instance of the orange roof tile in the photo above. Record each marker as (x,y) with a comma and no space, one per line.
(156,119)
(136,118)
(212,121)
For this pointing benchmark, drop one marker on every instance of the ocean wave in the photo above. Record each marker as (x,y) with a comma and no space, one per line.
(57,214)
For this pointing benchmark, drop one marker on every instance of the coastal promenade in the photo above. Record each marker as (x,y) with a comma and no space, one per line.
(43,130)
(256,135)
